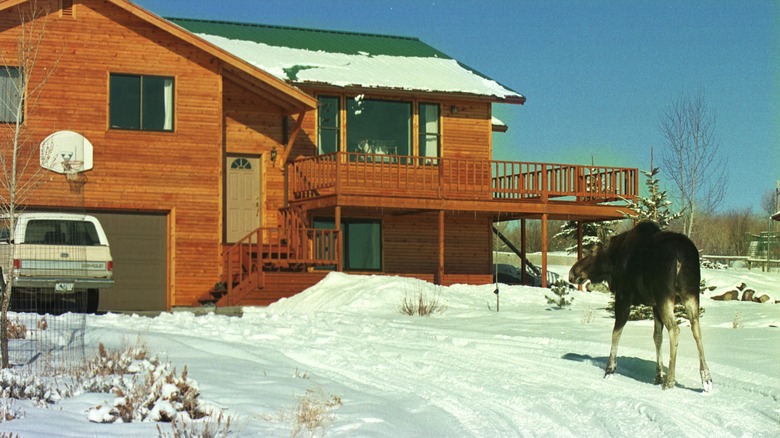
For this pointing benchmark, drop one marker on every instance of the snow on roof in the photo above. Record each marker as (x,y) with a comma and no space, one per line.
(776,216)
(376,66)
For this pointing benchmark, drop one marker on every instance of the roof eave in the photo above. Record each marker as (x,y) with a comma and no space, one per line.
(360,89)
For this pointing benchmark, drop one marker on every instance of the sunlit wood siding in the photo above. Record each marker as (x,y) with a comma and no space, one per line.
(254,126)
(177,173)
(410,243)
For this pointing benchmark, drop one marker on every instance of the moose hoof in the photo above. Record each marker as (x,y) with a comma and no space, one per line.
(608,373)
(660,379)
(706,380)
(668,384)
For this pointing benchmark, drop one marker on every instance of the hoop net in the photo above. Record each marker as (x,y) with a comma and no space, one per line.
(72,166)
(76,179)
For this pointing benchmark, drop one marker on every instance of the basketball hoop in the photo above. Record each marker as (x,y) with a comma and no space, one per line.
(73,174)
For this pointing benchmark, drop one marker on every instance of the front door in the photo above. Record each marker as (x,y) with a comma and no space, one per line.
(244,203)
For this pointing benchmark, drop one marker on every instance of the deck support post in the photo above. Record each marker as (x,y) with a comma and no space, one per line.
(339,252)
(579,246)
(523,265)
(440,263)
(544,250)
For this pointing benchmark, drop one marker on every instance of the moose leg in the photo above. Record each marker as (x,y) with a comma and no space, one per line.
(621,317)
(658,338)
(692,310)
(666,312)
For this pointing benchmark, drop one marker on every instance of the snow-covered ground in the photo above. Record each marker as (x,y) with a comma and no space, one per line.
(528,370)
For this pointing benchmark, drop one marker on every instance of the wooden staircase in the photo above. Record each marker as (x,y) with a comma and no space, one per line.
(291,247)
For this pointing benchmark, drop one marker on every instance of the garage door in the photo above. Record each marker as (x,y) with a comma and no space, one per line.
(138,246)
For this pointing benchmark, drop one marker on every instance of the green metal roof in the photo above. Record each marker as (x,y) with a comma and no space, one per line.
(312,56)
(351,43)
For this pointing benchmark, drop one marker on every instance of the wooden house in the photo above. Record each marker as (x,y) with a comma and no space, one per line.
(270,156)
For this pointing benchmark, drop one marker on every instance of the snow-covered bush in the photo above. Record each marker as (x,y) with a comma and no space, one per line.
(29,387)
(154,393)
(145,388)
(709,264)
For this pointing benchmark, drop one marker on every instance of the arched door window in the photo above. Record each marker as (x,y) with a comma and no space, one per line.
(241,164)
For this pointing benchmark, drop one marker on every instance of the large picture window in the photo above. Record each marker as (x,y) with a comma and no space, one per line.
(141,102)
(361,243)
(328,123)
(379,127)
(10,84)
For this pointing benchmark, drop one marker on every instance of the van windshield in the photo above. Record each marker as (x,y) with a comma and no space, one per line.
(61,232)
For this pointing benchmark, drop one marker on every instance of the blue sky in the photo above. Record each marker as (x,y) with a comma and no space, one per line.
(596,74)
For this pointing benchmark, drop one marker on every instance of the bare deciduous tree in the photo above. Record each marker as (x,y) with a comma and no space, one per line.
(23,78)
(691,157)
(770,200)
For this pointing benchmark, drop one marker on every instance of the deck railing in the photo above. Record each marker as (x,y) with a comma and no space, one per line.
(454,178)
(276,248)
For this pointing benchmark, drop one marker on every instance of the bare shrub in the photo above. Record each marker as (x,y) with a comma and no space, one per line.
(421,304)
(115,362)
(209,427)
(15,329)
(8,412)
(588,316)
(313,411)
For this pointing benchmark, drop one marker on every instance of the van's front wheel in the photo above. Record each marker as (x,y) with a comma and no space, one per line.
(93,300)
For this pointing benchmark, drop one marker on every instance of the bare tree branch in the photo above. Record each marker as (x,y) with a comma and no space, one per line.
(20,170)
(691,157)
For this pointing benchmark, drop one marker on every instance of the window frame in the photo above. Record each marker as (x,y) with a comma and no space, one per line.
(11,92)
(424,136)
(329,223)
(409,125)
(330,129)
(168,98)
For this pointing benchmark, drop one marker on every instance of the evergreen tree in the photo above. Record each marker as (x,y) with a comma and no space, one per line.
(592,233)
(561,291)
(656,206)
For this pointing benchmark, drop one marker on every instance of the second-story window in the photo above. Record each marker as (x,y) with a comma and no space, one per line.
(328,124)
(11,84)
(379,127)
(142,103)
(430,134)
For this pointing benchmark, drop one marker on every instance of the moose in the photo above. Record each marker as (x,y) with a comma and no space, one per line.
(652,267)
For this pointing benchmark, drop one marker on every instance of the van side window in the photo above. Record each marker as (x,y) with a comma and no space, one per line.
(61,232)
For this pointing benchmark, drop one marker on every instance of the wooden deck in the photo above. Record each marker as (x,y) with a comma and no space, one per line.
(418,179)
(271,263)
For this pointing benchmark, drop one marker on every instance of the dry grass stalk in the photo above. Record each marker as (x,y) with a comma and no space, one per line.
(313,411)
(421,305)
